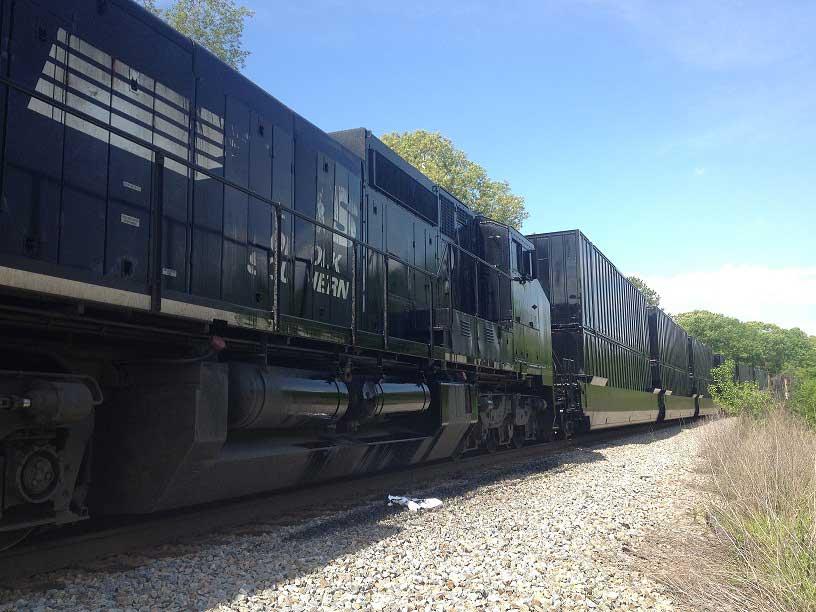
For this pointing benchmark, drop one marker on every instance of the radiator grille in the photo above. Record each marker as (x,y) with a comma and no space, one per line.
(463,217)
(401,186)
(490,334)
(447,222)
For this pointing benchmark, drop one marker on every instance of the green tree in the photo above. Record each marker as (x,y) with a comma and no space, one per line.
(803,383)
(780,349)
(217,25)
(803,397)
(438,158)
(723,334)
(763,344)
(652,296)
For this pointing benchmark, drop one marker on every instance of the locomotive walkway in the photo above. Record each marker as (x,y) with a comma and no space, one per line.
(556,532)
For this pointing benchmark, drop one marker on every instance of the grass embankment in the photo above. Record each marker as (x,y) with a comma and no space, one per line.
(759,551)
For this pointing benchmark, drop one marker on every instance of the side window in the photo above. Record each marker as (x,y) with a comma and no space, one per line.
(517,258)
(530,264)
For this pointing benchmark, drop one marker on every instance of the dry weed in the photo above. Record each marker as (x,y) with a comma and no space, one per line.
(757,550)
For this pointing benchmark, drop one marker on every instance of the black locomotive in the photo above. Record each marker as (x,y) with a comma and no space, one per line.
(204,296)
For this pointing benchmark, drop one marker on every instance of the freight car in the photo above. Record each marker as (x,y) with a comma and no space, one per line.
(204,296)
(761,378)
(670,359)
(743,372)
(600,330)
(701,362)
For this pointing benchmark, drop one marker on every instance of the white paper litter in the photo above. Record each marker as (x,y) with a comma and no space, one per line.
(414,504)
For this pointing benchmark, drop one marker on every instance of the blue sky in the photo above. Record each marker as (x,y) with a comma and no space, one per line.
(680,136)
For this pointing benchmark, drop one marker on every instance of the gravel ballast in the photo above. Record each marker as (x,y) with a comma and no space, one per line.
(554,533)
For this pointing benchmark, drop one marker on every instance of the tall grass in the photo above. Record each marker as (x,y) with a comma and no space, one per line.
(803,397)
(759,550)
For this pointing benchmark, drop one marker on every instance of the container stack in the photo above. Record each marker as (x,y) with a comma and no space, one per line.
(701,362)
(743,373)
(599,318)
(669,346)
(599,329)
(761,377)
(671,380)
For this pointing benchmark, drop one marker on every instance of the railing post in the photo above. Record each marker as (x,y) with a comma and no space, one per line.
(431,286)
(354,293)
(156,228)
(385,301)
(279,267)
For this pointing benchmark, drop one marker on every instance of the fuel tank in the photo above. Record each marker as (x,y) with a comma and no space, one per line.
(384,398)
(263,397)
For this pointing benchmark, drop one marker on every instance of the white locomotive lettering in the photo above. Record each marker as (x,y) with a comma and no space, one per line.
(327,284)
(320,259)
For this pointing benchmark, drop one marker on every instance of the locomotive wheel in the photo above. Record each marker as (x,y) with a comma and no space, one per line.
(545,427)
(565,429)
(518,437)
(10,539)
(39,475)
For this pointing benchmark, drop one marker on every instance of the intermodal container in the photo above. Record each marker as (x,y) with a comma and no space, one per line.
(743,372)
(701,362)
(599,360)
(668,352)
(586,290)
(761,377)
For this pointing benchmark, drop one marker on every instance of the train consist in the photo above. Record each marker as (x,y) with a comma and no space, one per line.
(204,296)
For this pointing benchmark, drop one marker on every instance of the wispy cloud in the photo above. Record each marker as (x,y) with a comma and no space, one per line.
(757,59)
(777,111)
(784,296)
(719,35)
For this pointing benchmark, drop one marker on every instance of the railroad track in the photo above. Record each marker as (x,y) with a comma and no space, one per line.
(87,543)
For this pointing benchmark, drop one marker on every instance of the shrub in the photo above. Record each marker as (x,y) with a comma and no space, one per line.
(803,398)
(739,398)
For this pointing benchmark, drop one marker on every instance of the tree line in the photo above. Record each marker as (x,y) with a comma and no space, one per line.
(764,344)
(769,346)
